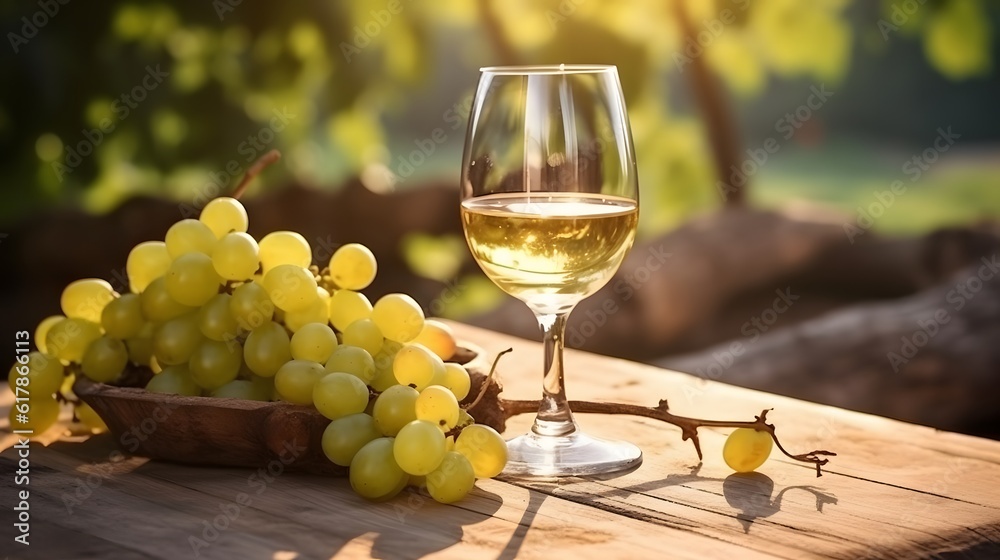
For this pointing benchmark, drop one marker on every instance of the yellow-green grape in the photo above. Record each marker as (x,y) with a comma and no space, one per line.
(68,339)
(374,473)
(86,299)
(364,334)
(419,447)
(456,378)
(42,413)
(353,360)
(105,359)
(394,408)
(315,342)
(264,386)
(158,306)
(438,405)
(89,417)
(43,329)
(449,444)
(41,374)
(345,436)
(250,306)
(296,379)
(398,316)
(216,321)
(284,247)
(417,366)
(122,318)
(192,279)
(140,347)
(189,236)
(236,256)
(746,449)
(384,377)
(176,340)
(316,312)
(267,349)
(154,365)
(223,215)
(240,389)
(174,380)
(339,394)
(290,287)
(484,448)
(438,338)
(146,262)
(346,307)
(464,418)
(215,363)
(452,480)
(67,386)
(353,267)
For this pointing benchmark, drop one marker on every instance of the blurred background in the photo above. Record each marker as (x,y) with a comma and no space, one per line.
(820,179)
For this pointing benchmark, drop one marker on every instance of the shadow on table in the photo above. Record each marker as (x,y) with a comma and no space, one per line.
(751,494)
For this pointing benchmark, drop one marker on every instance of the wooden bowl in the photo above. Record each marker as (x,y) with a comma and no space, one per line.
(224,431)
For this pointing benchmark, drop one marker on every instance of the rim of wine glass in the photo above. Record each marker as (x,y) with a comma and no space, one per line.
(549,69)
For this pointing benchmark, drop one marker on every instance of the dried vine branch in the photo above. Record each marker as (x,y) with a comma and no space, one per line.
(254,170)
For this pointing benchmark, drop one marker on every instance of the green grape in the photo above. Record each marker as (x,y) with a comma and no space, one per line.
(86,299)
(236,256)
(364,334)
(345,436)
(68,339)
(419,447)
(67,386)
(384,379)
(154,365)
(438,405)
(264,386)
(290,287)
(464,418)
(239,389)
(157,305)
(189,236)
(347,307)
(176,340)
(452,480)
(398,316)
(267,349)
(215,363)
(339,394)
(284,247)
(223,215)
(449,443)
(43,329)
(250,306)
(174,380)
(353,360)
(484,448)
(89,417)
(140,347)
(146,262)
(456,378)
(296,379)
(353,266)
(438,338)
(314,341)
(316,312)
(417,366)
(122,318)
(43,412)
(746,449)
(216,321)
(394,408)
(374,473)
(42,374)
(105,359)
(192,279)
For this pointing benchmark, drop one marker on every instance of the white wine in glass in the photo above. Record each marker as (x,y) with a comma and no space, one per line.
(549,209)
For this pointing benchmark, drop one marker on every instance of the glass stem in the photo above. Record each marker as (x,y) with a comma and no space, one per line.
(554,417)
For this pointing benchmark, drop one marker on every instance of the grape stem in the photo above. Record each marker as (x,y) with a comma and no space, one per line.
(689,426)
(486,383)
(254,170)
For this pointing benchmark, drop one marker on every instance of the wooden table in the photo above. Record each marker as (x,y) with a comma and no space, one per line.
(895,491)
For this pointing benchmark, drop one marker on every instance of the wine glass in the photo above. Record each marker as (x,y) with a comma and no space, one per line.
(549,209)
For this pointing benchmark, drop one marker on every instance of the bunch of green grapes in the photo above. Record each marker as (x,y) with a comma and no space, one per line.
(213,312)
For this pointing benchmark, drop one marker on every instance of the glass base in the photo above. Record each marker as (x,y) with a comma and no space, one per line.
(575,454)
